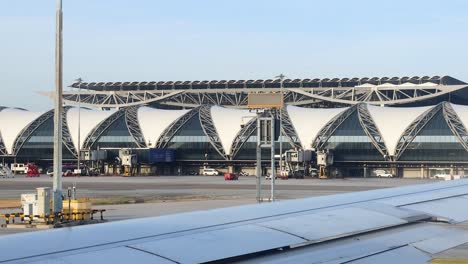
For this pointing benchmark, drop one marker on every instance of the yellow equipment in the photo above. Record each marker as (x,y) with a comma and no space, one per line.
(77,209)
(127,171)
(323,172)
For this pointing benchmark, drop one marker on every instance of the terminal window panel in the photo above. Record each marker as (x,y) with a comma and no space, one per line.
(350,143)
(191,143)
(116,136)
(435,142)
(248,149)
(40,146)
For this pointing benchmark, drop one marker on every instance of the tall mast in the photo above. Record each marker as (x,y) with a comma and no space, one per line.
(58,109)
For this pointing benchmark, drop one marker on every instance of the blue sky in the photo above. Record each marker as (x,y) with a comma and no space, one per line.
(143,40)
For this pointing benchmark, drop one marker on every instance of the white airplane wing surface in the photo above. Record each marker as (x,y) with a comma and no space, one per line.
(399,225)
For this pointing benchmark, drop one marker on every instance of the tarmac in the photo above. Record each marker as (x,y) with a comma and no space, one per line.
(134,197)
(187,186)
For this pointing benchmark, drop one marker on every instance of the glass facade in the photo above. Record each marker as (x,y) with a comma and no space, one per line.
(191,143)
(435,142)
(248,151)
(349,142)
(116,136)
(41,144)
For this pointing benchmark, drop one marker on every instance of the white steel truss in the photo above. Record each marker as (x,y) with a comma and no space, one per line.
(66,137)
(210,130)
(455,124)
(114,99)
(307,92)
(371,130)
(3,151)
(289,131)
(131,120)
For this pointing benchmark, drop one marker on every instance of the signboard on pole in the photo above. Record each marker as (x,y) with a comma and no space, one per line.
(265,100)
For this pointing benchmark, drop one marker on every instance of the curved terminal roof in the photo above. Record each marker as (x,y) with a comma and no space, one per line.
(288,83)
(228,123)
(153,122)
(392,122)
(88,120)
(309,121)
(317,93)
(12,121)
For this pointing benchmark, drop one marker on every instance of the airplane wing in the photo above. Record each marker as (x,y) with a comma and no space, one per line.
(399,225)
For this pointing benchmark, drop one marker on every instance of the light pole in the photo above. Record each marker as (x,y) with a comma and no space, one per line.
(58,109)
(281,77)
(272,142)
(78,149)
(79,80)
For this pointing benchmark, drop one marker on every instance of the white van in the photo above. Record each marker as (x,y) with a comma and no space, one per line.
(383,173)
(443,176)
(210,172)
(19,168)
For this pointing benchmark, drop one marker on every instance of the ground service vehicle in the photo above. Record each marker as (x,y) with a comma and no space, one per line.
(210,172)
(313,172)
(71,170)
(442,176)
(383,174)
(19,168)
(284,174)
(32,170)
(230,177)
(67,173)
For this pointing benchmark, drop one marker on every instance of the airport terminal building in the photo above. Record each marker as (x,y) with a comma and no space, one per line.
(412,126)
